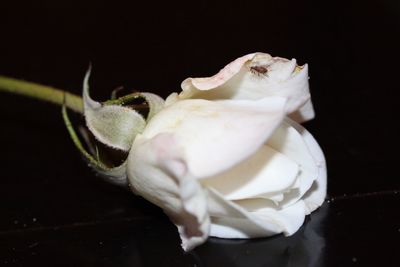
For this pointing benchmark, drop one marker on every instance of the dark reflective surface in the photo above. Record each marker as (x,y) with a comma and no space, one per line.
(55,212)
(352,232)
(305,248)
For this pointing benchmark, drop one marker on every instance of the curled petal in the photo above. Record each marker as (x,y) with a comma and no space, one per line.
(233,220)
(255,76)
(282,177)
(190,85)
(315,196)
(157,171)
(304,113)
(288,141)
(113,125)
(218,135)
(257,176)
(230,220)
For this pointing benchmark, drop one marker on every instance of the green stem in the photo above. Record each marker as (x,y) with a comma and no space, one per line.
(42,92)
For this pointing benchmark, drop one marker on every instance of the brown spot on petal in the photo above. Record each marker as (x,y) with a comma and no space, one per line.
(259,69)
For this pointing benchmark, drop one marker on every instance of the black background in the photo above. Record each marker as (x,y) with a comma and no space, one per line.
(55,212)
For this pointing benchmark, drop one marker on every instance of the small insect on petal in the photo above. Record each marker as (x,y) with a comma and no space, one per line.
(259,70)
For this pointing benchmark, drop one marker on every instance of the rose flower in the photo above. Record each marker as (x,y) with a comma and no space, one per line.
(226,157)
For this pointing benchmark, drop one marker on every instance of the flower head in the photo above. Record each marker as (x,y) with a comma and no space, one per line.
(224,157)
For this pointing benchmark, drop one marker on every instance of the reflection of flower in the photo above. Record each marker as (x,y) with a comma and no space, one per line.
(222,158)
(304,248)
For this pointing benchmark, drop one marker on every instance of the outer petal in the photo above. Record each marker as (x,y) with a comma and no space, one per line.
(190,85)
(230,220)
(250,224)
(157,171)
(216,135)
(288,141)
(252,77)
(283,171)
(304,113)
(317,193)
(193,139)
(265,174)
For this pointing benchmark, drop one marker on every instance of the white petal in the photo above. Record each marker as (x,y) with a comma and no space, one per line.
(172,98)
(115,126)
(288,141)
(229,220)
(158,172)
(304,113)
(267,173)
(290,218)
(280,69)
(241,80)
(317,193)
(216,135)
(261,223)
(190,85)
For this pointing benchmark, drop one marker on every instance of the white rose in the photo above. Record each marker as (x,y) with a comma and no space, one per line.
(222,159)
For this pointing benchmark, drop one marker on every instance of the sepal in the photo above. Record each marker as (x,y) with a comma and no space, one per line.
(115,175)
(113,125)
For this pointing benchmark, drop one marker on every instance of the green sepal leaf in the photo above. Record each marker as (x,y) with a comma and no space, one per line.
(113,125)
(155,102)
(116,175)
